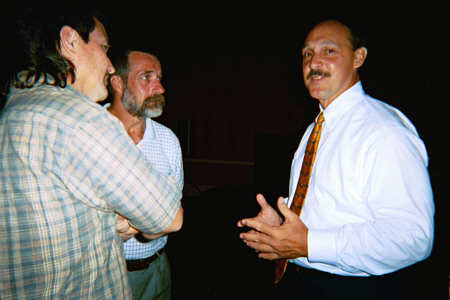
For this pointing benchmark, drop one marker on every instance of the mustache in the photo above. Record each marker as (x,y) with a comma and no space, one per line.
(318,72)
(151,104)
(155,100)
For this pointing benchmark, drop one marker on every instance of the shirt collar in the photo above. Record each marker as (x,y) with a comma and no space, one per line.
(342,104)
(150,129)
(149,132)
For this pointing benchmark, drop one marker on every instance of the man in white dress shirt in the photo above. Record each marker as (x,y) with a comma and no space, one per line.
(137,98)
(369,207)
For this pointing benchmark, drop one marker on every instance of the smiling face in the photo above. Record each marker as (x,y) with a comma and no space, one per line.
(329,62)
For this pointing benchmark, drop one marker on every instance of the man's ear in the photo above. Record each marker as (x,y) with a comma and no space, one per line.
(117,84)
(69,41)
(359,56)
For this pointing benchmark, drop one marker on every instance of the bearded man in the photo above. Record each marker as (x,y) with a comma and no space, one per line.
(137,98)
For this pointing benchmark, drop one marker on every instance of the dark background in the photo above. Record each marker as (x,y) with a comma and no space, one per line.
(236,99)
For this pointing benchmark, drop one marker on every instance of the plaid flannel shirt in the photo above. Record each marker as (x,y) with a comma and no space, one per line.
(67,168)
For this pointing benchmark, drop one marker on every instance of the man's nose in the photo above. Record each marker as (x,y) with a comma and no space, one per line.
(110,69)
(315,61)
(158,88)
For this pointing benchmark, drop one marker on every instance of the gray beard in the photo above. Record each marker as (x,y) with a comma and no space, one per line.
(152,107)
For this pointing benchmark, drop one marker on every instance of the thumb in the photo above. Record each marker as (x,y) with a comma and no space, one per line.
(284,209)
(261,201)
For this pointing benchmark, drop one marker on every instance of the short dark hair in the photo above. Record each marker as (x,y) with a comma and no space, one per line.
(38,57)
(120,58)
(121,62)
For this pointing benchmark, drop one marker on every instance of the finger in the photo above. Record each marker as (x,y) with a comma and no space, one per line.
(250,236)
(259,247)
(133,230)
(250,232)
(241,223)
(257,237)
(258,226)
(122,222)
(122,226)
(121,218)
(269,255)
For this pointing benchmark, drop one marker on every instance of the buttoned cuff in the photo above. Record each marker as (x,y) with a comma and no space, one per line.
(322,246)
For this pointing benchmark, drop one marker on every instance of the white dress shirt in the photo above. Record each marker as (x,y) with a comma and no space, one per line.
(161,148)
(369,207)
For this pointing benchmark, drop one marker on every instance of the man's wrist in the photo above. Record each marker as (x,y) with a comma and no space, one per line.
(140,238)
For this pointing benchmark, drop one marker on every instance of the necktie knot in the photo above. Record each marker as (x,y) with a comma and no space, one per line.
(320,119)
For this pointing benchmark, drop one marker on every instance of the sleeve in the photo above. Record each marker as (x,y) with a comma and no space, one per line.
(399,198)
(106,170)
(177,160)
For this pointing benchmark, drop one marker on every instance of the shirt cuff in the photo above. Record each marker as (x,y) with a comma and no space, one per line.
(322,246)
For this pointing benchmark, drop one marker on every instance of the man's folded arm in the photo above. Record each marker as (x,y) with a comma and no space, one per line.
(173,227)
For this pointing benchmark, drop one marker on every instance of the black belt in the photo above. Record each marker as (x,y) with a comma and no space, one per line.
(142,264)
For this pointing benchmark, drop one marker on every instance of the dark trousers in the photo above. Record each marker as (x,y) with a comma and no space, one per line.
(301,283)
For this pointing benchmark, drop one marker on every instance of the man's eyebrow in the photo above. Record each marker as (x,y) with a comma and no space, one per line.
(150,72)
(324,42)
(147,72)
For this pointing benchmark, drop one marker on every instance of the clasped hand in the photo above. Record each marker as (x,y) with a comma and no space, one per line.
(125,230)
(271,236)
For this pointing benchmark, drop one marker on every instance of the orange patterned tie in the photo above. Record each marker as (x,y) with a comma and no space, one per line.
(302,186)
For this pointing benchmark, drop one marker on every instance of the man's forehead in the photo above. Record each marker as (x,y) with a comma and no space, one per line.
(99,32)
(321,42)
(143,61)
(328,33)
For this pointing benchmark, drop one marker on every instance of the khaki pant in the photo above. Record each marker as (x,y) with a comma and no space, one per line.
(152,283)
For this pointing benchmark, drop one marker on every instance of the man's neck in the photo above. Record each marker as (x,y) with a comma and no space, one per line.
(134,126)
(326,102)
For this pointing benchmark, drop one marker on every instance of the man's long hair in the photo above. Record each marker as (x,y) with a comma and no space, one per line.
(36,56)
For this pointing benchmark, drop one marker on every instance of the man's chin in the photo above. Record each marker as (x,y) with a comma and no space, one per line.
(315,93)
(101,98)
(98,98)
(99,94)
(153,113)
